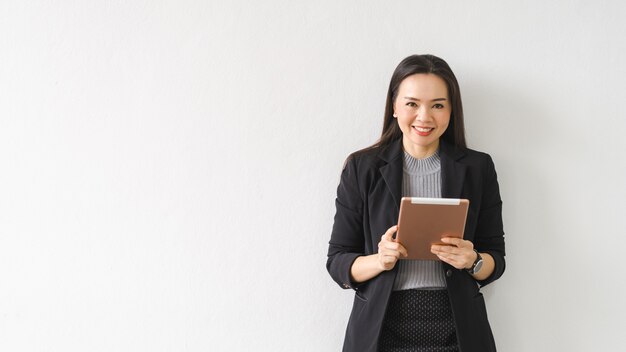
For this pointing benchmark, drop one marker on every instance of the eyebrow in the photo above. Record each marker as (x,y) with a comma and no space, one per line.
(415,99)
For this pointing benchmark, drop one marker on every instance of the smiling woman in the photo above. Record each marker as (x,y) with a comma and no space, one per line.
(423,113)
(424,305)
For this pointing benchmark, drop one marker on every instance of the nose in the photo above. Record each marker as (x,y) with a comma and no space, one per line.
(423,114)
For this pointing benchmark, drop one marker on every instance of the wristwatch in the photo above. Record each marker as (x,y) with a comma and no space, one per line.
(478,263)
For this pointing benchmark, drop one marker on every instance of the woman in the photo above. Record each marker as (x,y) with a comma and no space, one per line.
(411,305)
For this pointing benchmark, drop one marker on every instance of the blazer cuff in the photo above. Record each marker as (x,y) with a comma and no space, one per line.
(344,263)
(498,270)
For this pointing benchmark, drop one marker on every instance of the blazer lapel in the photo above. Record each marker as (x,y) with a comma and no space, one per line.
(452,171)
(392,171)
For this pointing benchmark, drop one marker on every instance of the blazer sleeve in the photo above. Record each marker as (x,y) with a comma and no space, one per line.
(489,231)
(347,238)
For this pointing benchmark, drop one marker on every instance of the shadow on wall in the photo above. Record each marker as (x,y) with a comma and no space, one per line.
(516,123)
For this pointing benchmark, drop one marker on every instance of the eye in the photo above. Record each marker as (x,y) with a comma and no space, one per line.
(438,106)
(412,104)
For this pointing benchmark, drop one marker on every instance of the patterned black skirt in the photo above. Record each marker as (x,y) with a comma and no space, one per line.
(418,320)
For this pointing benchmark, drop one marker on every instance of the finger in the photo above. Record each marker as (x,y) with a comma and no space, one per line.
(390,252)
(394,255)
(396,246)
(459,255)
(443,258)
(464,257)
(448,256)
(403,251)
(448,249)
(455,241)
(462,261)
(451,260)
(459,242)
(388,235)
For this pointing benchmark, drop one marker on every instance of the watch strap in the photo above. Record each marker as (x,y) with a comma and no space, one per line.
(477,264)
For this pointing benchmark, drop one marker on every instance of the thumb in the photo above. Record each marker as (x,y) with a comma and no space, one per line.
(389,234)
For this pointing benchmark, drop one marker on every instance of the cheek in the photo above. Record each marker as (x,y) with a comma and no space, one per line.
(402,124)
(444,120)
(403,119)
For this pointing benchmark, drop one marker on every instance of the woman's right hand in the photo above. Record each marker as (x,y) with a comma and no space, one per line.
(369,266)
(389,250)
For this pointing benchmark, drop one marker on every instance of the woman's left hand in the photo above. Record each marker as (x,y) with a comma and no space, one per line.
(457,252)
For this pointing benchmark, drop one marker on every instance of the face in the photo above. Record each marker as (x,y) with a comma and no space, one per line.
(422,108)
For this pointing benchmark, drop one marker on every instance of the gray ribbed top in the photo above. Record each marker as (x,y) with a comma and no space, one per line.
(421,178)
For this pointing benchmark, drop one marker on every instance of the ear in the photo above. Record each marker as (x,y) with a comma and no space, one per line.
(393,110)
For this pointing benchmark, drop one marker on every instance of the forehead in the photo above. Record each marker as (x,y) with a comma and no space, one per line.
(423,86)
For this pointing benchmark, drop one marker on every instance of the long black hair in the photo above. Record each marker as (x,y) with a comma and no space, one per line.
(455,133)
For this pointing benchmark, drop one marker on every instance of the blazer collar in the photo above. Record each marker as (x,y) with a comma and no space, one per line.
(452,171)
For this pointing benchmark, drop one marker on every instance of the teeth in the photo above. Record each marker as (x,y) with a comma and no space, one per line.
(421,129)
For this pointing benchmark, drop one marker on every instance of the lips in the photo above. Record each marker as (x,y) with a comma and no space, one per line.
(422,131)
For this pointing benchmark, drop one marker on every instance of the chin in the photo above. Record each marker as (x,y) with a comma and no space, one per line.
(425,143)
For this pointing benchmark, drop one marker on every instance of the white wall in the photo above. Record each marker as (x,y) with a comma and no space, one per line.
(168,168)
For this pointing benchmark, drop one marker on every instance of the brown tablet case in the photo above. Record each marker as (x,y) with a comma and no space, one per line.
(424,221)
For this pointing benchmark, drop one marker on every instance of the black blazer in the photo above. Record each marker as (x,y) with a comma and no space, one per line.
(368,200)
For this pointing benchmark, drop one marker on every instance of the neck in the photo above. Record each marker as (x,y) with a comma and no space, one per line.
(420,152)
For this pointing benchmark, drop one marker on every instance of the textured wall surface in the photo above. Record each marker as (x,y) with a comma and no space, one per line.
(169,168)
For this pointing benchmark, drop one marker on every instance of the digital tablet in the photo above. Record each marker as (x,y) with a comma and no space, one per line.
(424,221)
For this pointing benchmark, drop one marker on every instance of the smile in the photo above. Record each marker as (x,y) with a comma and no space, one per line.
(423,131)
